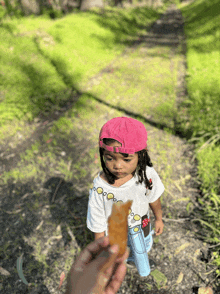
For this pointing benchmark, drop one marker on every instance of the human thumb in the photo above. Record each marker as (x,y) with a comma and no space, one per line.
(105,261)
(110,256)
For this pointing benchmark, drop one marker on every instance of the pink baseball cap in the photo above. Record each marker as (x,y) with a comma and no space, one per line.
(130,132)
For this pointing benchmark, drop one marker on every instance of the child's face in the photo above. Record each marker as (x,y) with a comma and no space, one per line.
(119,165)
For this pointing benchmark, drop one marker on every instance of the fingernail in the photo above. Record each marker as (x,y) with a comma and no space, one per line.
(113,249)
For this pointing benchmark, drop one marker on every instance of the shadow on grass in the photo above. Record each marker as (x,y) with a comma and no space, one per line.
(43,97)
(33,213)
(18,227)
(15,227)
(126,24)
(129,25)
(60,201)
(177,130)
(205,16)
(68,208)
(61,102)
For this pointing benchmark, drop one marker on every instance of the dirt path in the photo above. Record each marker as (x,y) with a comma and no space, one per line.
(45,221)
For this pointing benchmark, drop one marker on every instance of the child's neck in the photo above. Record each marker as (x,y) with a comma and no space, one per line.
(118,182)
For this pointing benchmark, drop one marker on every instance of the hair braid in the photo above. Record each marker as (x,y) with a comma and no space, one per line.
(144,161)
(111,178)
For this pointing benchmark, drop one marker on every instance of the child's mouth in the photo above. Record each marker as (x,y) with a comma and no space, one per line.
(118,174)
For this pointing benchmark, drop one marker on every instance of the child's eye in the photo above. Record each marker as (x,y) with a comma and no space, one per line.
(127,160)
(108,158)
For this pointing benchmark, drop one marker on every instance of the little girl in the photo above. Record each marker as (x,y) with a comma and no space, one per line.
(127,174)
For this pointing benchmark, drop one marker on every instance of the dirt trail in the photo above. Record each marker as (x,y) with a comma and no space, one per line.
(30,219)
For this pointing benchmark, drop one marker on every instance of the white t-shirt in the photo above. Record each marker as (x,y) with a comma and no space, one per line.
(103,195)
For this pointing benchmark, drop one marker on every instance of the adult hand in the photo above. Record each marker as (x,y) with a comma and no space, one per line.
(159,227)
(97,270)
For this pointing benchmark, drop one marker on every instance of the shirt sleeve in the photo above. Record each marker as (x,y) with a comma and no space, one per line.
(96,219)
(158,187)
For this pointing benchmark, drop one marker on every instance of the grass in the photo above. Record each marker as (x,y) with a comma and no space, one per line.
(43,59)
(203,107)
(57,61)
(203,82)
(156,85)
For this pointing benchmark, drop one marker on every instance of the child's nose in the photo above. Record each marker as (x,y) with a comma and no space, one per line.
(118,164)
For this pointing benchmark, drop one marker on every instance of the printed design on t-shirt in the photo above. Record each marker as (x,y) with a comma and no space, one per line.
(133,218)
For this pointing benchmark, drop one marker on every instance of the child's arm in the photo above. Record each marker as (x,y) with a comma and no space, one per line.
(99,235)
(157,210)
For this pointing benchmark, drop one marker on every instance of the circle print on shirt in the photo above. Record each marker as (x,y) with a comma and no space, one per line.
(137,217)
(110,196)
(99,190)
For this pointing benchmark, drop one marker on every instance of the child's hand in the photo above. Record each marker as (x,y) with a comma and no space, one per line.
(159,227)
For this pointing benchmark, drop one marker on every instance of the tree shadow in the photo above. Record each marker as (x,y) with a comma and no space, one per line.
(46,101)
(44,220)
(18,221)
(177,131)
(68,208)
(43,97)
(23,208)
(203,15)
(126,25)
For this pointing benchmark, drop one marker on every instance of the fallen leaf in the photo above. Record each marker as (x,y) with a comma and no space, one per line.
(25,196)
(196,254)
(48,141)
(39,226)
(180,278)
(40,157)
(14,212)
(4,272)
(62,277)
(54,238)
(178,186)
(159,277)
(182,247)
(204,290)
(187,177)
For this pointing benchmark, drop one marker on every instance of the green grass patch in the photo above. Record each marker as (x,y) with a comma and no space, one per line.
(42,60)
(208,159)
(137,89)
(203,59)
(202,30)
(68,149)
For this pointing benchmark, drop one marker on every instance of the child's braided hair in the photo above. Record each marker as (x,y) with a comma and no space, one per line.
(143,161)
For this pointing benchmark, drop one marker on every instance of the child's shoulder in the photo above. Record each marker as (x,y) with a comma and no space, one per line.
(150,169)
(102,175)
(98,176)
(151,172)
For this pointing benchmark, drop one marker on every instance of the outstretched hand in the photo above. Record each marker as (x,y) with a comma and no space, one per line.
(97,270)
